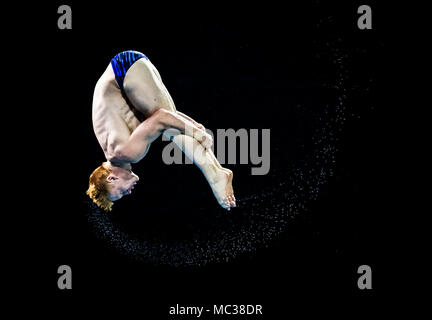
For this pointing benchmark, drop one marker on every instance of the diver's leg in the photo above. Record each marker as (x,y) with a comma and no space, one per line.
(219,179)
(145,89)
(147,93)
(210,152)
(215,160)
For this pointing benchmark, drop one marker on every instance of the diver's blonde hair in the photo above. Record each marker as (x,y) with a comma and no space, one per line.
(98,188)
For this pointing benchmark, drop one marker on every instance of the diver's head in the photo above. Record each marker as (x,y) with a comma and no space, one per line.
(110,183)
(121,181)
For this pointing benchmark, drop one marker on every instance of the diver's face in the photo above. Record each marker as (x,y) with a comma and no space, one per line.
(121,184)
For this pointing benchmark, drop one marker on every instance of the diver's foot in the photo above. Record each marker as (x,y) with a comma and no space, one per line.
(223,190)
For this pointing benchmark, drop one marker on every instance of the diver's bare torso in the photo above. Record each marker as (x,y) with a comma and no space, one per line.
(113,119)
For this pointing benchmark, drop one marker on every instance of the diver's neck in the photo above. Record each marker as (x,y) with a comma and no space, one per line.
(123,165)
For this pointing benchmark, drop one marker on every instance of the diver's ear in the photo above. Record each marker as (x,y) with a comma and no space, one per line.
(111,178)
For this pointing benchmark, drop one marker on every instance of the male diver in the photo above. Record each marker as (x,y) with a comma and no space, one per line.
(131,109)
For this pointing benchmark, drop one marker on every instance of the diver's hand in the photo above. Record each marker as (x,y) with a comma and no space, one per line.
(200,126)
(205,139)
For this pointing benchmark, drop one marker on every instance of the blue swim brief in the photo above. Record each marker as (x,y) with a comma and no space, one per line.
(122,62)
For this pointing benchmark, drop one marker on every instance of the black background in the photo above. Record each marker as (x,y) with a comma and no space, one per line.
(248,66)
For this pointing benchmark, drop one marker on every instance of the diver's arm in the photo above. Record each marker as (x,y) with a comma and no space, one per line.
(139,141)
(173,120)
(197,124)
